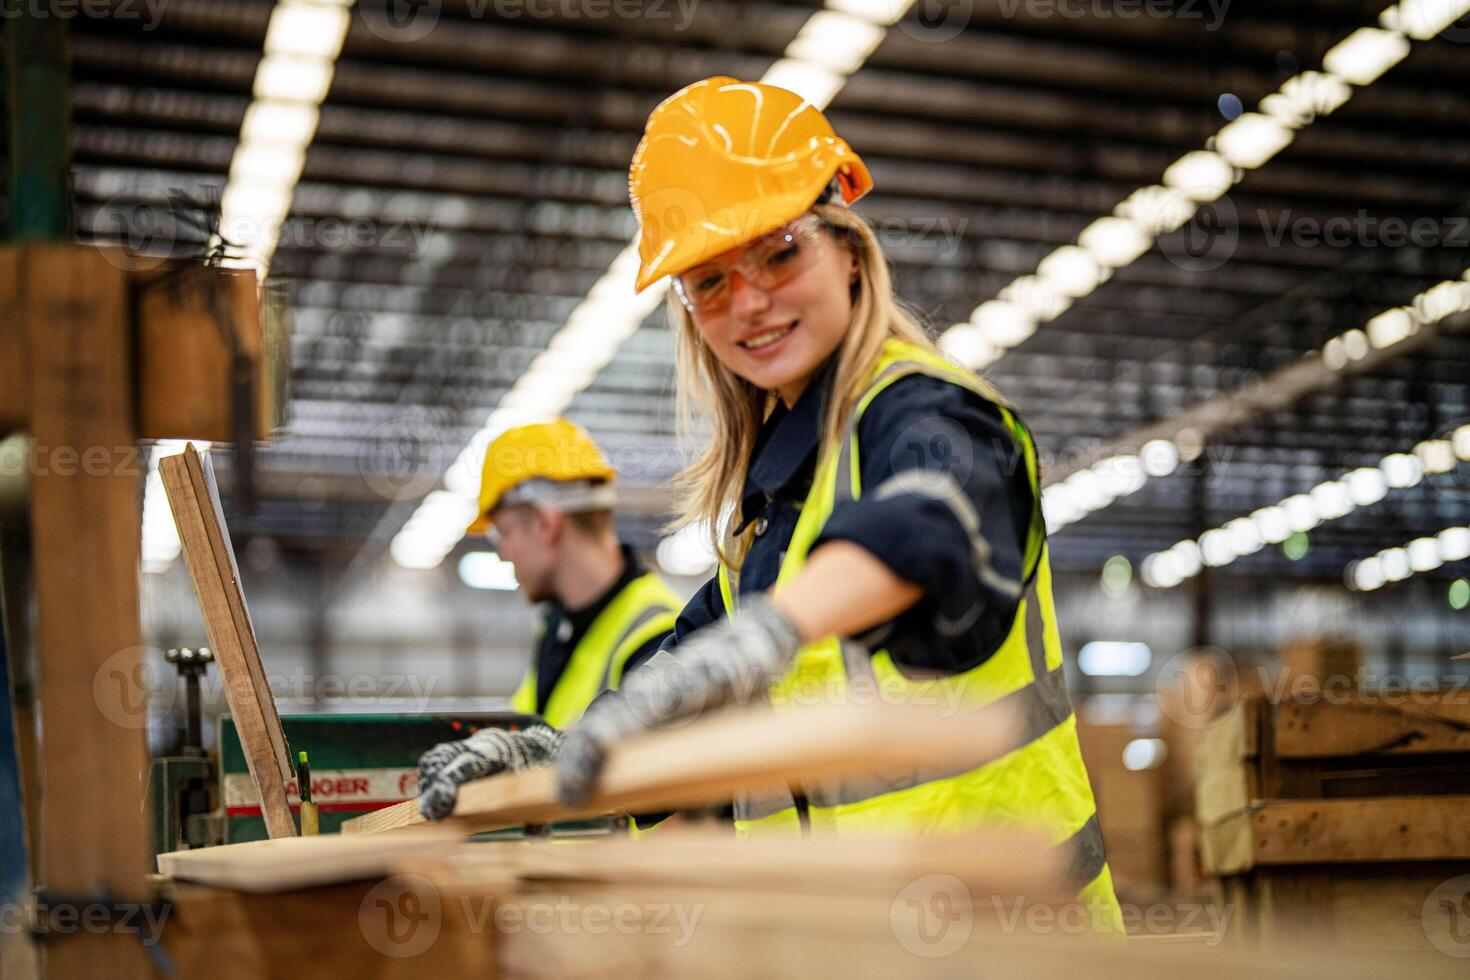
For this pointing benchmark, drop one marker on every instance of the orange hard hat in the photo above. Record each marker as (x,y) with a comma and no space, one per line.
(724,161)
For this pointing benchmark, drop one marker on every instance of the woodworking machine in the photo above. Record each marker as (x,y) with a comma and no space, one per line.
(359,763)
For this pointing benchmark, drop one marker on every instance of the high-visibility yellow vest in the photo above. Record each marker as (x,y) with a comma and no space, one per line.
(1042,784)
(645,608)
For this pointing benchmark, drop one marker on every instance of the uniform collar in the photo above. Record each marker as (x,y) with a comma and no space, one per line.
(785,447)
(581,619)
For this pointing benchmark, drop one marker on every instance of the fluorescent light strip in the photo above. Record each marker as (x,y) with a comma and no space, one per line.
(1200,176)
(302,42)
(1327,501)
(830,46)
(1420,555)
(1115,477)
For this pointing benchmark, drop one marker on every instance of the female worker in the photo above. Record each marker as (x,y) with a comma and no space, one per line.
(873,490)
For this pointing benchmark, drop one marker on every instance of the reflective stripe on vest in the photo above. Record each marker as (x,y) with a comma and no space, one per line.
(645,608)
(1041,782)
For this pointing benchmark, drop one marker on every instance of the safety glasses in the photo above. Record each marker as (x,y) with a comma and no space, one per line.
(770,261)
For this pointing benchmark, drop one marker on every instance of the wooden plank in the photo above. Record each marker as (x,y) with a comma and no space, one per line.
(1011,863)
(289,863)
(411,927)
(1390,828)
(187,316)
(1369,907)
(335,932)
(1420,724)
(85,519)
(751,749)
(743,935)
(211,565)
(14,384)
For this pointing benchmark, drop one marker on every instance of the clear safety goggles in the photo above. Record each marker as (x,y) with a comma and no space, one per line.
(766,263)
(570,496)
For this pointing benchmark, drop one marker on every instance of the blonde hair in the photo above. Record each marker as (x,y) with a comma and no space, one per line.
(734,409)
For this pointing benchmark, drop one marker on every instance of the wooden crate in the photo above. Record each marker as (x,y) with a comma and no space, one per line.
(1338,815)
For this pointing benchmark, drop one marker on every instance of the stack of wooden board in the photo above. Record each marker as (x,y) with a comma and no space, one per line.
(691,905)
(1344,815)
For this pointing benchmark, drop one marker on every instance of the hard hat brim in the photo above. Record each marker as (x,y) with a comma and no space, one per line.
(738,225)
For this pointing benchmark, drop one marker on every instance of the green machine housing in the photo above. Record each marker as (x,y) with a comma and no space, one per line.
(359,763)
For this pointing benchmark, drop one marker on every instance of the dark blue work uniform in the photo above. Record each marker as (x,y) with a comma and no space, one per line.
(916,423)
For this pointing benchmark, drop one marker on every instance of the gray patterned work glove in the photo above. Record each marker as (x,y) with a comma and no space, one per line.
(449,765)
(733,660)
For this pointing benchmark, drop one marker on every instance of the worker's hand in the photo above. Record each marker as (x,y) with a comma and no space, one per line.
(734,660)
(446,767)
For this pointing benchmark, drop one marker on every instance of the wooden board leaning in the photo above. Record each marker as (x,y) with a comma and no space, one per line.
(194,500)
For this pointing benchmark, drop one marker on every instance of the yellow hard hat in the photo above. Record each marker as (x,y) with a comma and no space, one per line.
(724,161)
(559,451)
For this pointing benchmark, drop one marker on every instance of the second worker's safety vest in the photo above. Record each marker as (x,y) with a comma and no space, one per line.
(1042,783)
(644,608)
